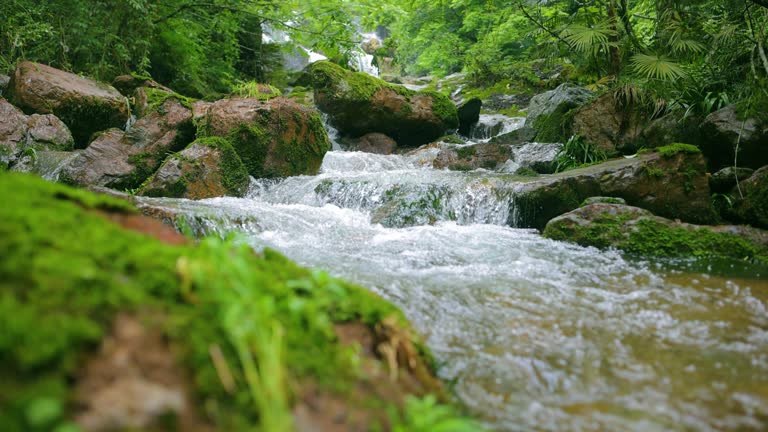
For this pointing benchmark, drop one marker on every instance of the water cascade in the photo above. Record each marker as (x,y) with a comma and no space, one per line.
(534,334)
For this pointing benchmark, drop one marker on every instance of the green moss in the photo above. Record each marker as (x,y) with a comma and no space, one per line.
(649,237)
(233,171)
(444,109)
(71,271)
(157,97)
(677,148)
(653,172)
(526,172)
(451,139)
(255,90)
(466,152)
(252,144)
(555,127)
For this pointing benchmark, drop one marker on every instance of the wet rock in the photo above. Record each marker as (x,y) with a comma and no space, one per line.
(274,138)
(750,205)
(84,105)
(469,114)
(669,128)
(471,157)
(609,125)
(638,231)
(46,164)
(538,157)
(499,102)
(517,137)
(546,112)
(371,45)
(672,184)
(725,179)
(373,143)
(200,109)
(208,168)
(119,159)
(21,134)
(723,129)
(358,103)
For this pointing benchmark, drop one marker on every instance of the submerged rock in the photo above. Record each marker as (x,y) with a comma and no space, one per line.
(84,105)
(724,130)
(358,103)
(22,135)
(119,159)
(274,138)
(750,201)
(638,231)
(208,168)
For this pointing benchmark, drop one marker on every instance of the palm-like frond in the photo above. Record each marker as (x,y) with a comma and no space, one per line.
(678,45)
(657,67)
(587,39)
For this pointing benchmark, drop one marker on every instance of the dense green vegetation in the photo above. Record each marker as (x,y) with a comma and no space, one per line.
(694,55)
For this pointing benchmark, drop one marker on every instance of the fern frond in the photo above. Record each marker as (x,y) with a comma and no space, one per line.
(657,67)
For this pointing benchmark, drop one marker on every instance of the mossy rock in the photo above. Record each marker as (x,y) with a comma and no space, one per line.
(208,168)
(639,232)
(274,138)
(358,103)
(256,334)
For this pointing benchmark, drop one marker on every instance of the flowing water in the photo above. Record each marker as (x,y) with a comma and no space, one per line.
(531,333)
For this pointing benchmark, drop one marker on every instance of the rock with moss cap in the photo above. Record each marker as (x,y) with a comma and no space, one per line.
(274,138)
(124,159)
(358,103)
(638,231)
(22,135)
(84,105)
(671,182)
(208,168)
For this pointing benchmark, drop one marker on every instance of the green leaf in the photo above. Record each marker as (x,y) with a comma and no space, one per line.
(657,67)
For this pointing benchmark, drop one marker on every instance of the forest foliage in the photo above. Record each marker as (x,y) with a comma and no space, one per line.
(696,55)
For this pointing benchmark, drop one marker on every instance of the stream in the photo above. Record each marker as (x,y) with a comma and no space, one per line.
(530,334)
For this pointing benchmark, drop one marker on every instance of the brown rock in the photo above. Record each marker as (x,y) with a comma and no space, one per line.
(84,105)
(127,84)
(274,138)
(751,200)
(373,143)
(610,126)
(470,157)
(19,132)
(121,160)
(724,129)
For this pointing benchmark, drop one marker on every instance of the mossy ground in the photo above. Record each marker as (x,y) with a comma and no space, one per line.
(68,270)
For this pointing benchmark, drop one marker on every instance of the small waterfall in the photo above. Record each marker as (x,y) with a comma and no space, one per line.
(129,123)
(491,125)
(333,133)
(47,164)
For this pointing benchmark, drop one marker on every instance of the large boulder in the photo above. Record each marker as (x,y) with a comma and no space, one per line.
(128,84)
(670,182)
(469,114)
(208,168)
(547,112)
(608,124)
(725,130)
(358,104)
(274,138)
(638,231)
(84,105)
(20,134)
(750,200)
(124,159)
